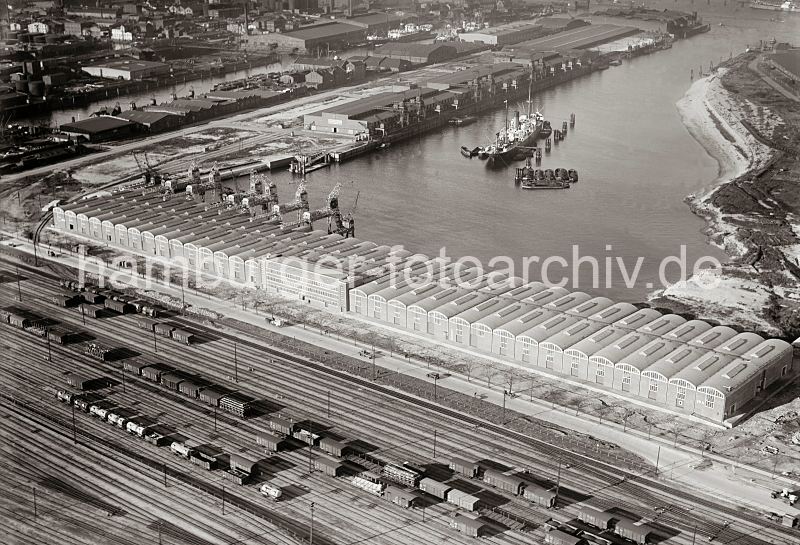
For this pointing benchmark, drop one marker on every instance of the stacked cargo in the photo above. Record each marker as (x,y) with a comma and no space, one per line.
(434,488)
(463,500)
(97,351)
(306,436)
(328,465)
(467,524)
(239,404)
(369,483)
(538,495)
(270,441)
(463,467)
(400,497)
(401,475)
(505,481)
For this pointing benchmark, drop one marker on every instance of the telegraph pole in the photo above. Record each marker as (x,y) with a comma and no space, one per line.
(329,403)
(223,500)
(155,342)
(434,443)
(74,429)
(123,379)
(311,531)
(235,364)
(47,336)
(558,479)
(19,289)
(35,510)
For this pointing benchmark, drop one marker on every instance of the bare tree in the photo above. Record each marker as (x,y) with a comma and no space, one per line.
(491,371)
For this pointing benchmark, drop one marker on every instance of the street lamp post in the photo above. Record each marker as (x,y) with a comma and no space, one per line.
(505,393)
(311,529)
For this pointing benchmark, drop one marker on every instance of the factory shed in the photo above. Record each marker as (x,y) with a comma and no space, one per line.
(416,53)
(638,319)
(441,326)
(152,121)
(588,308)
(568,301)
(401,303)
(377,23)
(419,316)
(501,35)
(389,64)
(682,391)
(461,325)
(663,324)
(382,310)
(544,297)
(508,332)
(555,345)
(787,62)
(99,129)
(528,341)
(607,358)
(665,368)
(688,331)
(740,344)
(560,24)
(400,497)
(484,336)
(614,312)
(584,350)
(628,372)
(714,337)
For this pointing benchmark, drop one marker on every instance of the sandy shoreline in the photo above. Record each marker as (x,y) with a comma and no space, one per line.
(712,116)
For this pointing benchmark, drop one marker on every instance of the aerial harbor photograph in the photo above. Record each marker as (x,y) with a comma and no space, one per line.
(399,272)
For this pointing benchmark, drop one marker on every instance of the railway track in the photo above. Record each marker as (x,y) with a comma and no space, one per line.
(629,482)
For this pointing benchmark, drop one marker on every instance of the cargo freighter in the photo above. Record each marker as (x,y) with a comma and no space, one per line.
(519,134)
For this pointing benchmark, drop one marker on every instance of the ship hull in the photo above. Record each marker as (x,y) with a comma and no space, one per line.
(769,7)
(506,156)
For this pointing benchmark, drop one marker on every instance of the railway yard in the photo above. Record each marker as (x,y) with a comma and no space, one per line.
(106,485)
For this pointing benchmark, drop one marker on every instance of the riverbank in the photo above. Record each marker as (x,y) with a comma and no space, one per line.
(751,209)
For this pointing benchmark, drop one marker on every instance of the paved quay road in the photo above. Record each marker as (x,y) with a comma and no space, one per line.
(676,465)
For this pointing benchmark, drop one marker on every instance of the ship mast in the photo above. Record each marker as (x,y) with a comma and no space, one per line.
(530,87)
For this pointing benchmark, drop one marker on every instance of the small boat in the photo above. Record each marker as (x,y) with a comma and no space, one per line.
(484,153)
(461,121)
(615,62)
(470,153)
(561,174)
(546,131)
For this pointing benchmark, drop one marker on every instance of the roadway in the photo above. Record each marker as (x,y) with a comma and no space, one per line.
(401,424)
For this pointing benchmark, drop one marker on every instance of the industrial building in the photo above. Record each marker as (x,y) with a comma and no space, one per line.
(501,35)
(323,36)
(127,69)
(581,37)
(685,366)
(98,129)
(787,62)
(377,23)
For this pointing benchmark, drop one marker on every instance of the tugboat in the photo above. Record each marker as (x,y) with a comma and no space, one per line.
(470,153)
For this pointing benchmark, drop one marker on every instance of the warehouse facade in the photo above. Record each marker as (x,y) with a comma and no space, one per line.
(684,366)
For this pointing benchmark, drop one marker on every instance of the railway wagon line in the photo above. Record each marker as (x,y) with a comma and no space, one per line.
(292,528)
(368,385)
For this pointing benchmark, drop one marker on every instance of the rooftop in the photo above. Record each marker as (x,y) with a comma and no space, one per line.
(323,30)
(96,125)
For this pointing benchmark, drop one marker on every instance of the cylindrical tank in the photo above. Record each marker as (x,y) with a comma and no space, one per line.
(36,88)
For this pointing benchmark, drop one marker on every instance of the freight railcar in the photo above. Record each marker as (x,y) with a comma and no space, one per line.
(98,351)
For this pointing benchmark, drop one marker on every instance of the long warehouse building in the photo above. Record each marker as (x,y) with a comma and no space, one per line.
(670,363)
